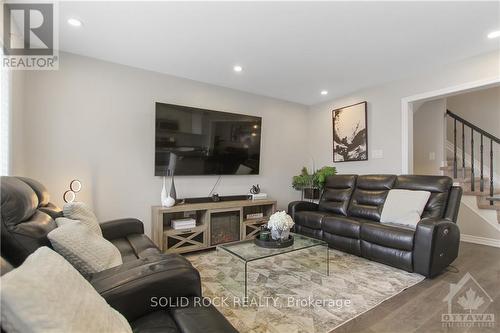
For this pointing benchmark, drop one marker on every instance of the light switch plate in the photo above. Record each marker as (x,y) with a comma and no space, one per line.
(432,156)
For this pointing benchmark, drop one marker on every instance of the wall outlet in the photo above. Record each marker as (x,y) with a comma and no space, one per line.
(377,153)
(432,156)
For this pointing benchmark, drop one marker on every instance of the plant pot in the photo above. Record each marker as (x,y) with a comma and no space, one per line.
(311,193)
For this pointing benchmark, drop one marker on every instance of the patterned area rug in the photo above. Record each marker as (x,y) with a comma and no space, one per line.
(291,292)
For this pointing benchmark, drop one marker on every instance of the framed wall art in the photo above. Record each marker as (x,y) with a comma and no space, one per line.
(350,133)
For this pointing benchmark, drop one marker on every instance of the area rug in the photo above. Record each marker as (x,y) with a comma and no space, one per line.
(291,292)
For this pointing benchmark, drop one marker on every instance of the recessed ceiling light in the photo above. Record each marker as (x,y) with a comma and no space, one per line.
(237,68)
(74,22)
(494,34)
(324,92)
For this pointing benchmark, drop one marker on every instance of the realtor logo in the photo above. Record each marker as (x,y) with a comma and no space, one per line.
(467,305)
(29,38)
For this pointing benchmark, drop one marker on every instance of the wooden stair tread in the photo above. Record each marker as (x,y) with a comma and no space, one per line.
(469,180)
(478,193)
(450,168)
(483,203)
(486,206)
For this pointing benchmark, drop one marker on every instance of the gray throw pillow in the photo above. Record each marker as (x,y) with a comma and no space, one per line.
(87,252)
(81,212)
(46,294)
(404,207)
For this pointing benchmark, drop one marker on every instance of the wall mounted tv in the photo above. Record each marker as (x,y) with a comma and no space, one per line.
(193,141)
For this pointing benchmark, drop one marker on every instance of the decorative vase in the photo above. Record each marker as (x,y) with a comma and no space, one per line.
(173,192)
(278,234)
(163,195)
(166,201)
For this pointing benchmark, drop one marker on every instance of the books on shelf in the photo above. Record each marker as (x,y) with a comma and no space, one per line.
(255,216)
(184,223)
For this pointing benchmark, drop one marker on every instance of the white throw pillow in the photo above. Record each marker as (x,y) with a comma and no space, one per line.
(81,212)
(86,251)
(46,294)
(404,207)
(60,221)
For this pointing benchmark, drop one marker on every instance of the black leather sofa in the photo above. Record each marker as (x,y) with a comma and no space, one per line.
(27,216)
(348,219)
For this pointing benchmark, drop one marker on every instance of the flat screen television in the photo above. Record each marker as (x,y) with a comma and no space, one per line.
(193,141)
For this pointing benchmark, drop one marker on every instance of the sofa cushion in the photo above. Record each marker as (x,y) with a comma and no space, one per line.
(19,201)
(439,186)
(310,219)
(346,244)
(39,189)
(394,257)
(397,237)
(135,246)
(369,196)
(342,225)
(46,294)
(314,233)
(81,212)
(337,194)
(86,251)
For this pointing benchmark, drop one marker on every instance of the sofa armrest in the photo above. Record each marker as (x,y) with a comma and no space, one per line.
(194,318)
(131,288)
(121,228)
(296,206)
(453,206)
(435,246)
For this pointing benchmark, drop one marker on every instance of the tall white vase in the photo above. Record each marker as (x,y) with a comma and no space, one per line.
(166,200)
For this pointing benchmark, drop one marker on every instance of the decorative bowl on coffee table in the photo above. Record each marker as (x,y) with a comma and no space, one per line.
(273,244)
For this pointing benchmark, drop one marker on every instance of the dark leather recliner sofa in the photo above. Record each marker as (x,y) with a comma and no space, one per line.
(348,219)
(27,217)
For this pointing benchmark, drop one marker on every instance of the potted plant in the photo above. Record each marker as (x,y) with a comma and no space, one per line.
(320,176)
(305,182)
(311,185)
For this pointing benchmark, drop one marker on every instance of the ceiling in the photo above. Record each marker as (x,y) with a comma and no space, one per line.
(288,50)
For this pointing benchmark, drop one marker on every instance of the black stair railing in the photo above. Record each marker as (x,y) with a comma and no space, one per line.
(483,134)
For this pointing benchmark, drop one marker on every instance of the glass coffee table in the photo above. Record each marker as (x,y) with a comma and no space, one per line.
(246,251)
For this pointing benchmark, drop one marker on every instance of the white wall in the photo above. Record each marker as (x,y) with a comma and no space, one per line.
(429,137)
(17,162)
(472,224)
(94,120)
(384,113)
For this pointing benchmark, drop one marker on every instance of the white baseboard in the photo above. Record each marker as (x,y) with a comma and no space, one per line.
(480,240)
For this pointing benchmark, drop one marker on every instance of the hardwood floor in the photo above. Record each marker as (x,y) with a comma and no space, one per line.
(419,308)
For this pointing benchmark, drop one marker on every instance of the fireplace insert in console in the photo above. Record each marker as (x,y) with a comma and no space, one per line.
(224,227)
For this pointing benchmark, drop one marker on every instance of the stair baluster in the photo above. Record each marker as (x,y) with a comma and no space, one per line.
(454,148)
(481,182)
(472,180)
(491,171)
(463,150)
(473,129)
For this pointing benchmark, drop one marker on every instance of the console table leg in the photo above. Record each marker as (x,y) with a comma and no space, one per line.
(246,294)
(327,261)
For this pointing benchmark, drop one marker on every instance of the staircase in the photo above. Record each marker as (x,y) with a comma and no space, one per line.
(469,170)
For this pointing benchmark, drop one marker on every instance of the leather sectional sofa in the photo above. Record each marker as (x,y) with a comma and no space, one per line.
(348,219)
(27,217)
